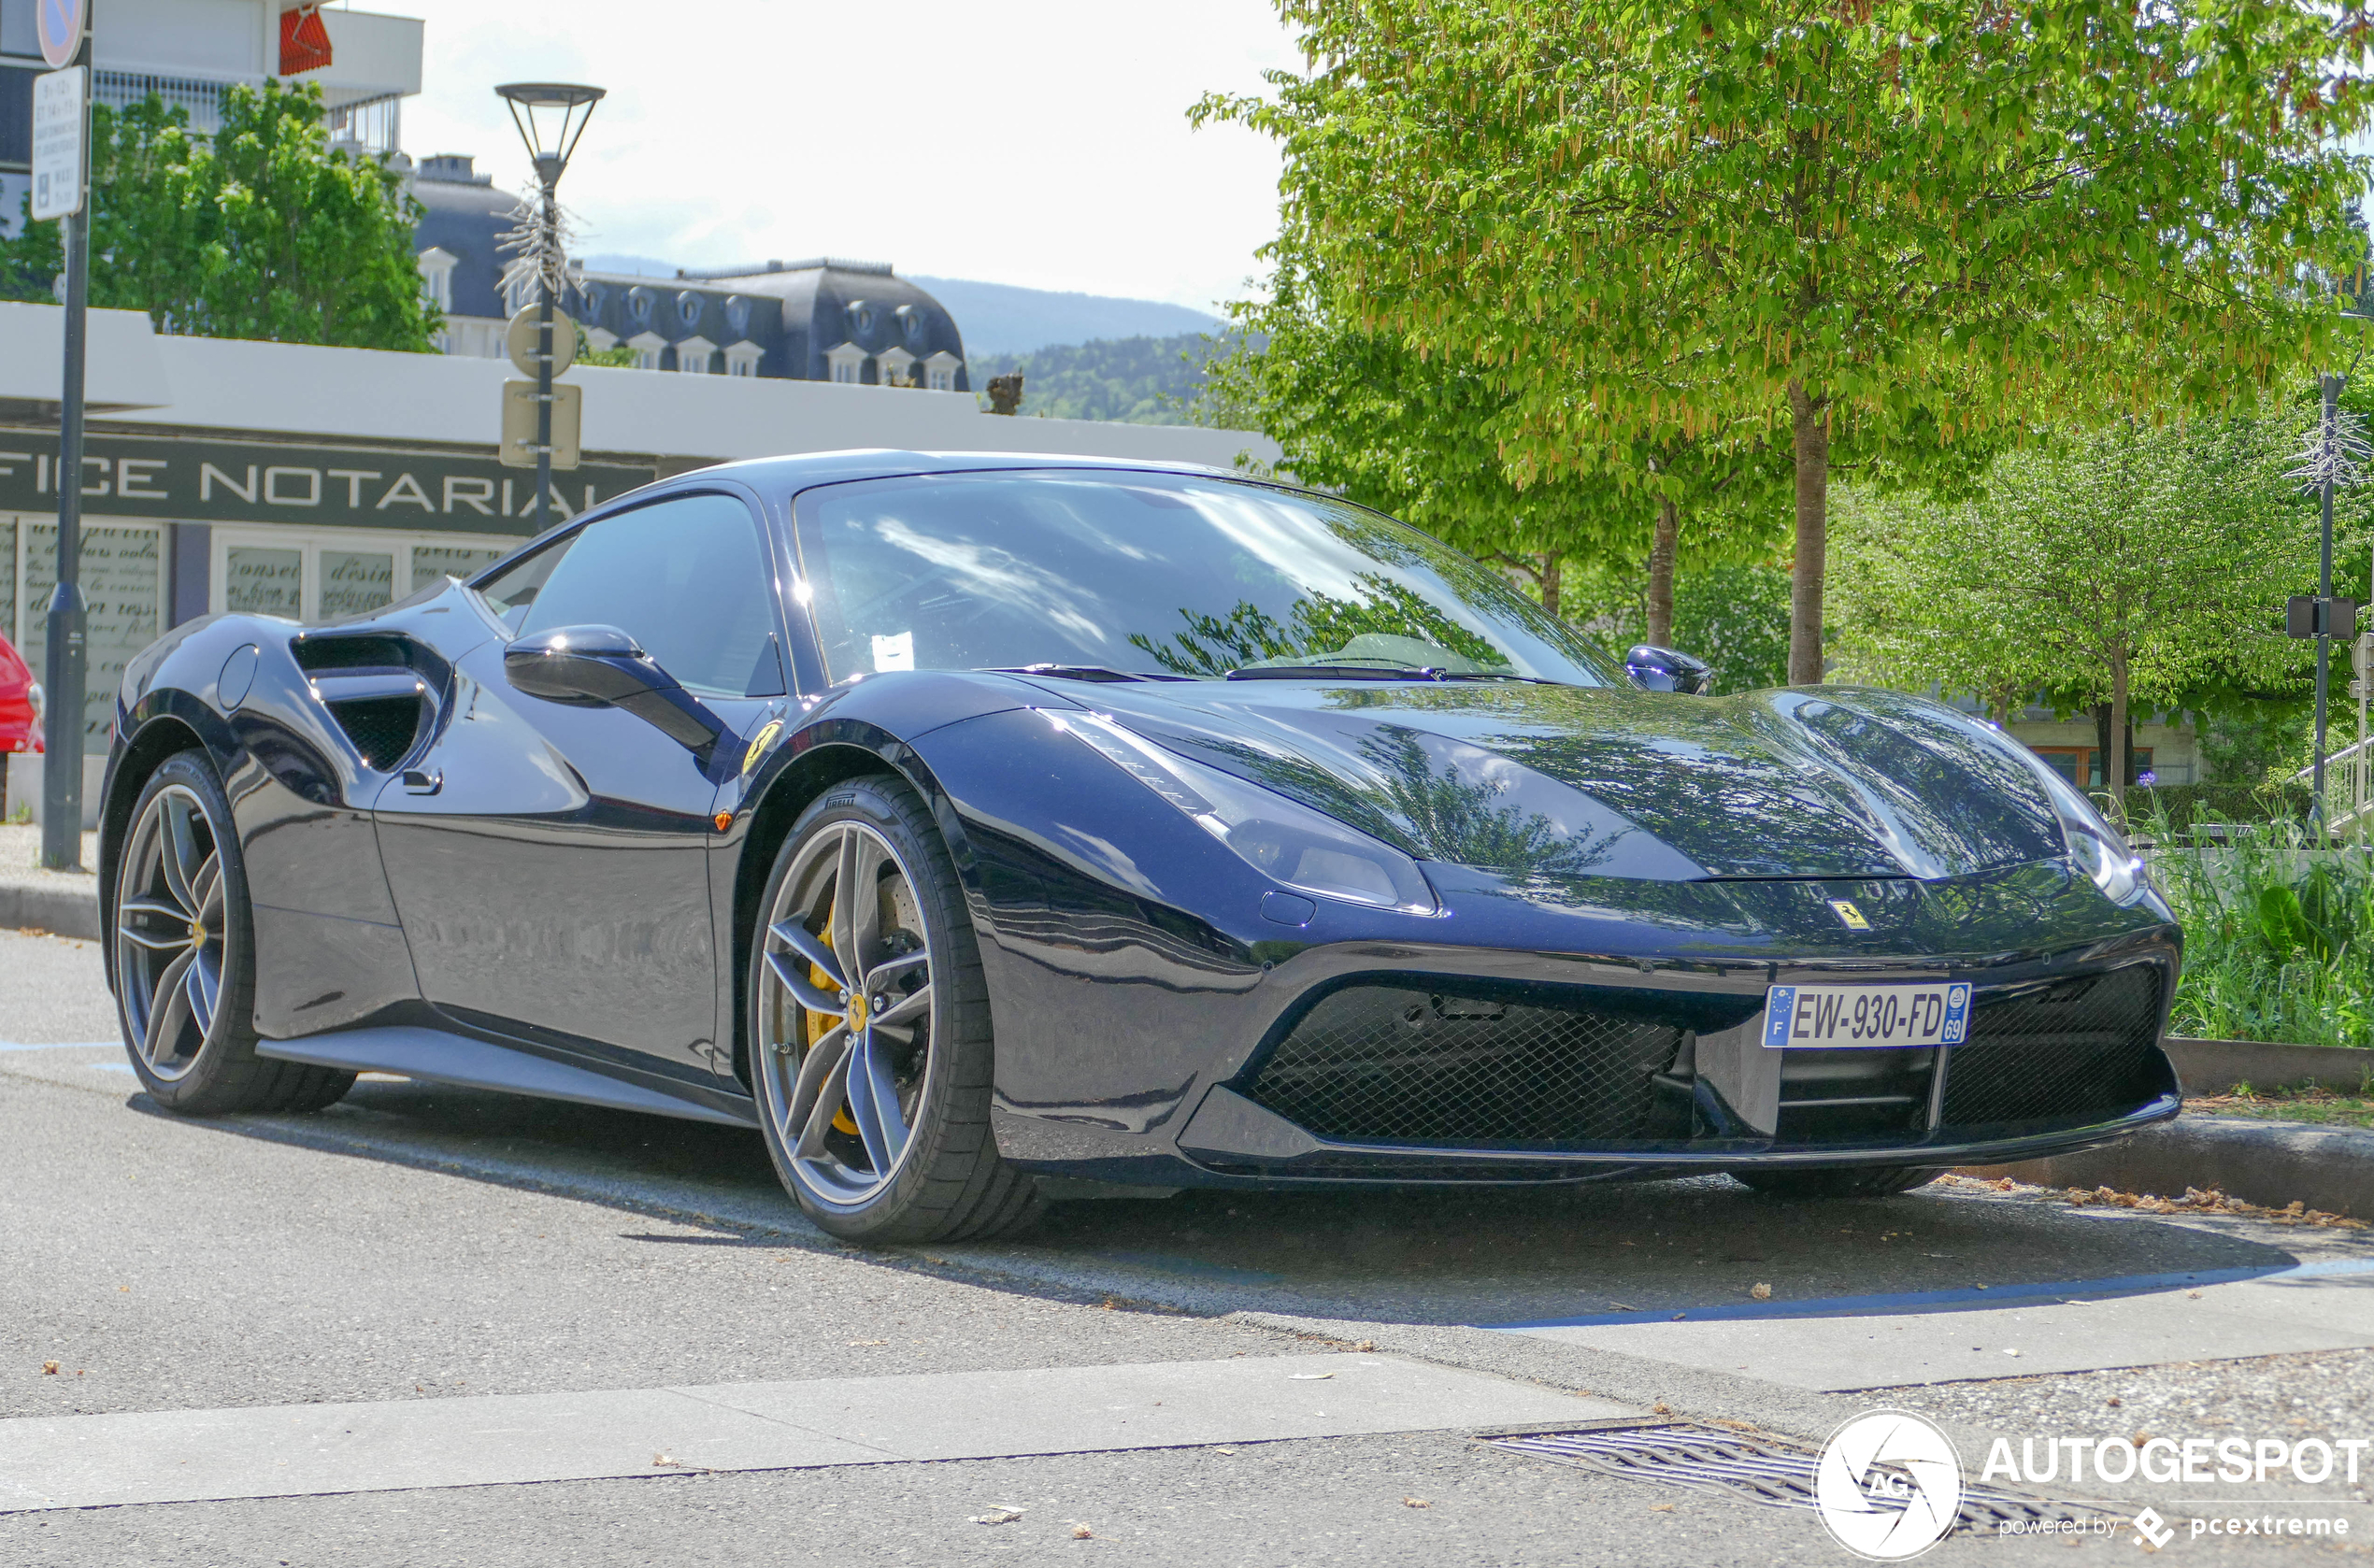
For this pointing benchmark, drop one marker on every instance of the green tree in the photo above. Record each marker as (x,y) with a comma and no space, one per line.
(2134,563)
(1426,438)
(1915,225)
(258,231)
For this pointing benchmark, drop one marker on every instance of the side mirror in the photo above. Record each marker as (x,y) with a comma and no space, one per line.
(1668,669)
(601,666)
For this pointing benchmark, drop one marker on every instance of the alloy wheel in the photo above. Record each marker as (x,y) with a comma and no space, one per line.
(170,927)
(844,1014)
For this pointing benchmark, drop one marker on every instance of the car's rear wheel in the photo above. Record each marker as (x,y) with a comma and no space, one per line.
(1854,1181)
(870,1044)
(185,957)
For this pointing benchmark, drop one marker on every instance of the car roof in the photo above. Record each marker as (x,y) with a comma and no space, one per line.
(806,469)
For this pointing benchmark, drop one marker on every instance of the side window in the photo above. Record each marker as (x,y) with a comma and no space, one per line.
(686,578)
(511,590)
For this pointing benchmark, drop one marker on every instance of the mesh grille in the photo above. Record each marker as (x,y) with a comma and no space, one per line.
(1381,1063)
(2074,1050)
(381,728)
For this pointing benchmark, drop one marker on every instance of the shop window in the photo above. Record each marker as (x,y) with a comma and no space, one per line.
(356,582)
(263,581)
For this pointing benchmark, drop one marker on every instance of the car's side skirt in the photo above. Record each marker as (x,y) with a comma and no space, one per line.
(436,1054)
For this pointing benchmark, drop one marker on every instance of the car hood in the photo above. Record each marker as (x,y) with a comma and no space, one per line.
(1556,781)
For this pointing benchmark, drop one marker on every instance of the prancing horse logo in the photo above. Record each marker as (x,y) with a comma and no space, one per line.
(1849,915)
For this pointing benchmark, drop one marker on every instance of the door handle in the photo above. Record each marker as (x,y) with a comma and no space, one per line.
(417,782)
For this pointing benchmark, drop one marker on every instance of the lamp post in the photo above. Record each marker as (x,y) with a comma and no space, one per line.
(551,117)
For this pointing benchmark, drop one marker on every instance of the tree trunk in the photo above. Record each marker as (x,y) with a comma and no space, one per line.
(1550,583)
(1810,432)
(1661,553)
(2116,764)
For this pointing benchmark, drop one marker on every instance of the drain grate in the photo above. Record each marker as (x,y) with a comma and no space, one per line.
(1774,1472)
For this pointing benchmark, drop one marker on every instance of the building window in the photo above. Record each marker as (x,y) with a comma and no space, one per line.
(848,362)
(692,355)
(647,346)
(939,371)
(741,359)
(894,367)
(436,265)
(2081,765)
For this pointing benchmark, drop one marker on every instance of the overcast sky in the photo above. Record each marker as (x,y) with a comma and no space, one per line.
(1038,142)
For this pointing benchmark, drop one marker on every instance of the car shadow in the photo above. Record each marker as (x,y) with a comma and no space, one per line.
(1487,1256)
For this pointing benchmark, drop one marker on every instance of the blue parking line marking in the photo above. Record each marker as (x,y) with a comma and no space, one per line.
(71,1045)
(1966,1297)
(111,1066)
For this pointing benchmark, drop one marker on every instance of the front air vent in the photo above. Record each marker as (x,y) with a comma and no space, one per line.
(382,689)
(381,710)
(381,728)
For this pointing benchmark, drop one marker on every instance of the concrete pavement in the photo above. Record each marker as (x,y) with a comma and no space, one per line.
(417,1245)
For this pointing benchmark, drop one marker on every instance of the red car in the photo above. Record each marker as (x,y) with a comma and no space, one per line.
(19,713)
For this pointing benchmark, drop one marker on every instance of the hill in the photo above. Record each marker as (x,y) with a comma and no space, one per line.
(1001,319)
(1137,380)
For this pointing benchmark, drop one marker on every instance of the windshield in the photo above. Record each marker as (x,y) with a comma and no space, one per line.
(1159,576)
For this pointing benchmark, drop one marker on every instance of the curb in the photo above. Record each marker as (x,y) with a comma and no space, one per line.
(2216,1066)
(69,907)
(2273,1163)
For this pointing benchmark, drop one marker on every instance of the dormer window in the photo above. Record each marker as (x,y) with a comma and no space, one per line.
(738,313)
(893,367)
(647,346)
(689,306)
(692,355)
(436,265)
(848,362)
(741,359)
(939,371)
(913,326)
(861,318)
(638,304)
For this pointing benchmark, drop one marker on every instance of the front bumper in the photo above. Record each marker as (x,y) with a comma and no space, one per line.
(1463,1078)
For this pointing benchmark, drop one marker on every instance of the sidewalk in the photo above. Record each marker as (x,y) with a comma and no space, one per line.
(63,901)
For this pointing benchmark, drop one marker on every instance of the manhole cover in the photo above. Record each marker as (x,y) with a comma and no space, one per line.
(1773,1471)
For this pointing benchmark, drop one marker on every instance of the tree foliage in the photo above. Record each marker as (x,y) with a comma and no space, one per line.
(259,231)
(1426,438)
(2133,563)
(1911,228)
(1135,380)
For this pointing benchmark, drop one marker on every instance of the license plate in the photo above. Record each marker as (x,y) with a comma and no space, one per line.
(1829,1018)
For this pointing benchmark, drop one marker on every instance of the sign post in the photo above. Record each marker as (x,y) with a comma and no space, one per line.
(62,185)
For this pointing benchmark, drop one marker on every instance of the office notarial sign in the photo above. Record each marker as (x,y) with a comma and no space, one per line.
(58,148)
(242,481)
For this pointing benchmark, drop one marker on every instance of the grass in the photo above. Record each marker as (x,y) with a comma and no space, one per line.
(2278,934)
(2306,1102)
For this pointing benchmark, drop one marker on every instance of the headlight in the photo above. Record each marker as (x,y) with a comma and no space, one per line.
(1282,839)
(2096,848)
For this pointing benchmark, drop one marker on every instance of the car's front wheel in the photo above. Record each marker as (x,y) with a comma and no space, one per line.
(870,1045)
(185,957)
(1861,1181)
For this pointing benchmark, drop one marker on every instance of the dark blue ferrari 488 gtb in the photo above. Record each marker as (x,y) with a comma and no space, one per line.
(962,821)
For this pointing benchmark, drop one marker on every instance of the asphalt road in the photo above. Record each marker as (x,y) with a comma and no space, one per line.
(419,1244)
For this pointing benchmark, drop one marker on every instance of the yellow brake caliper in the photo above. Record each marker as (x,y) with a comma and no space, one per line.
(818,1023)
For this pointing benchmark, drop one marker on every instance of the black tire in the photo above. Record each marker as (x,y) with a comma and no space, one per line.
(945,1179)
(184,939)
(1853,1181)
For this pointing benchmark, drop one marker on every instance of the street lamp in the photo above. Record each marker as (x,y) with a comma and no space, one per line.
(551,117)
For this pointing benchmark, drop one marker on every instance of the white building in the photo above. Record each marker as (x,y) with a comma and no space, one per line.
(190,52)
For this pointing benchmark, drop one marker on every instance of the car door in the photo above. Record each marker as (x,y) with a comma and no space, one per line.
(549,860)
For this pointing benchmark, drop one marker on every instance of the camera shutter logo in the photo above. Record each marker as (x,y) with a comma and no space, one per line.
(1888,1485)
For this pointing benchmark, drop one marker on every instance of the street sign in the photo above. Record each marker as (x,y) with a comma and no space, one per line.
(58,126)
(60,25)
(2305,615)
(519,341)
(518,424)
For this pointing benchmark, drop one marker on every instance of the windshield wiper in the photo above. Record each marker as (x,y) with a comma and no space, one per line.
(1380,671)
(1345,672)
(1079,672)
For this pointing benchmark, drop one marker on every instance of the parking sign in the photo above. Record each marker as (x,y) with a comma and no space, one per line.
(58,127)
(61,28)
